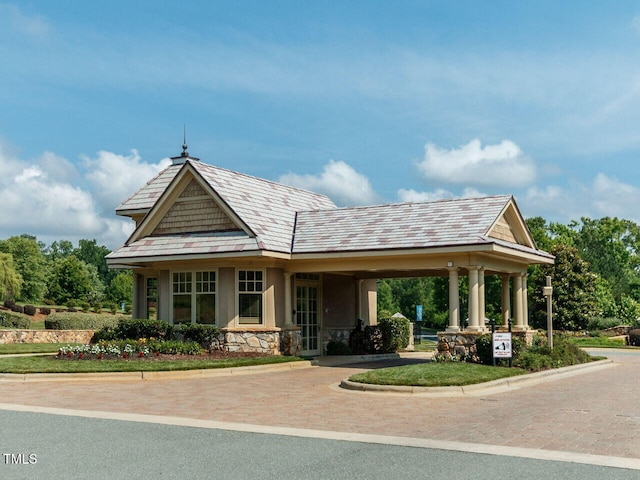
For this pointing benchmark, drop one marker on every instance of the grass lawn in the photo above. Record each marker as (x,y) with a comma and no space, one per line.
(434,374)
(47,364)
(32,347)
(425,346)
(601,342)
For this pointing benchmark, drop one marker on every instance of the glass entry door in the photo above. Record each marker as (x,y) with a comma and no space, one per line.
(308,318)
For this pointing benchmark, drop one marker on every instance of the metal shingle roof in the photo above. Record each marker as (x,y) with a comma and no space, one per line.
(267,208)
(186,244)
(396,226)
(144,198)
(272,211)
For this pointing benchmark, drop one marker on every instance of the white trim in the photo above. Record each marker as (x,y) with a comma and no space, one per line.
(317,284)
(194,293)
(236,319)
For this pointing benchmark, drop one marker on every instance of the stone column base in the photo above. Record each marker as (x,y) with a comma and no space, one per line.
(291,341)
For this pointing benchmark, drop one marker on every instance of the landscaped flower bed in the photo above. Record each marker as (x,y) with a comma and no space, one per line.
(142,348)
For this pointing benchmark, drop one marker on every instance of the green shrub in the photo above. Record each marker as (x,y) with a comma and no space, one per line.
(534,361)
(143,328)
(395,333)
(599,323)
(374,339)
(45,310)
(175,347)
(97,307)
(78,321)
(85,306)
(17,308)
(11,320)
(9,304)
(204,335)
(30,310)
(338,348)
(105,334)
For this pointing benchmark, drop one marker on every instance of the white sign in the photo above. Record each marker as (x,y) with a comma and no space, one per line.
(502,345)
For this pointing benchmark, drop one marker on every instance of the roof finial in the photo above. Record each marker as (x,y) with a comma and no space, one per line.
(185,153)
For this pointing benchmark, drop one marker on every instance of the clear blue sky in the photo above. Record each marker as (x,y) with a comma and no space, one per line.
(366,101)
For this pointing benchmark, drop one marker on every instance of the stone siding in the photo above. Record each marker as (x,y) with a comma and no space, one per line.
(247,341)
(45,336)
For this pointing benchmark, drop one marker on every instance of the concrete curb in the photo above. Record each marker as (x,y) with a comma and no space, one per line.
(159,375)
(488,388)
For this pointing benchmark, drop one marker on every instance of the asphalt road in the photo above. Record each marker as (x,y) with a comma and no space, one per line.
(46,446)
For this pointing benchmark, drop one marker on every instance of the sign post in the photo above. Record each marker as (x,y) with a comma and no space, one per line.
(547,291)
(501,345)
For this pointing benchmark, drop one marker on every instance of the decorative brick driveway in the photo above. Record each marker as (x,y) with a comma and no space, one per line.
(594,413)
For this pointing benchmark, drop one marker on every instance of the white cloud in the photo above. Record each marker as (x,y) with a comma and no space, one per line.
(47,197)
(439,194)
(604,196)
(501,165)
(611,197)
(414,196)
(339,181)
(115,177)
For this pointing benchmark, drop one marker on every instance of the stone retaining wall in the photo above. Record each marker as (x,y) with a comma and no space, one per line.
(45,336)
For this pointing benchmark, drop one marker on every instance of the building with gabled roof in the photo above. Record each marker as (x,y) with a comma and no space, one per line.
(281,269)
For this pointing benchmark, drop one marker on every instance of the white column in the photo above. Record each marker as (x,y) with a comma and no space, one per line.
(288,306)
(481,299)
(506,300)
(517,302)
(473,299)
(454,301)
(525,302)
(136,302)
(359,299)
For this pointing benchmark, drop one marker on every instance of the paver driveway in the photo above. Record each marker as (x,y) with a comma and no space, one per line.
(593,413)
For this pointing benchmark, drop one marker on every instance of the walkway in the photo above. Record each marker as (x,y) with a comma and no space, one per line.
(593,413)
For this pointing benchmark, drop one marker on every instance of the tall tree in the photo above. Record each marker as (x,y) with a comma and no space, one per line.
(93,254)
(611,247)
(574,291)
(73,279)
(30,263)
(121,287)
(10,279)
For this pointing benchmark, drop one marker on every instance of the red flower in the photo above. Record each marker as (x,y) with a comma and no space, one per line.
(69,354)
(141,354)
(125,355)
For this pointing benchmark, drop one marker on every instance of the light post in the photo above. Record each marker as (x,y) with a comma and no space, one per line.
(547,291)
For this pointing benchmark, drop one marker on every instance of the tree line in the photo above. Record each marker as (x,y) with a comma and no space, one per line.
(595,277)
(60,273)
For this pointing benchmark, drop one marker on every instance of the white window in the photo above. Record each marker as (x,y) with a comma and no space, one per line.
(152,298)
(250,289)
(194,297)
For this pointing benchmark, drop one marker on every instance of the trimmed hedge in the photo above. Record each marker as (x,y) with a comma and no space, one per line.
(30,310)
(128,329)
(78,321)
(204,335)
(395,334)
(11,320)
